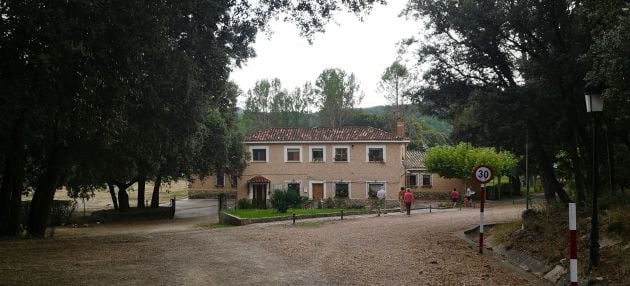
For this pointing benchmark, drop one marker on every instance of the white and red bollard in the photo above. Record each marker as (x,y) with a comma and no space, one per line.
(482,200)
(572,245)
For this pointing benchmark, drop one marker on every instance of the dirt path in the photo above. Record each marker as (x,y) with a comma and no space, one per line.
(393,249)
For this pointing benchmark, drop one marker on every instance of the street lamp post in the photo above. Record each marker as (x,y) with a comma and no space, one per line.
(594,106)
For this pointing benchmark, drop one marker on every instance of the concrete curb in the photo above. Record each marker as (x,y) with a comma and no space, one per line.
(234,220)
(517,262)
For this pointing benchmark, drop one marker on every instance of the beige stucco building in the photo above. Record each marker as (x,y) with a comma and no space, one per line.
(420,180)
(318,163)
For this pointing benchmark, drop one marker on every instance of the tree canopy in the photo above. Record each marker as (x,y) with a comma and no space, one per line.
(113,92)
(500,70)
(336,93)
(458,161)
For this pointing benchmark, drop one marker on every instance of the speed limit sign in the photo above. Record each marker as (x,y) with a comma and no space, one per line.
(482,174)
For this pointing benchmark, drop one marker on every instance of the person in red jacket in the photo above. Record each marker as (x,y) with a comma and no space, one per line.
(408,198)
(401,195)
(454,196)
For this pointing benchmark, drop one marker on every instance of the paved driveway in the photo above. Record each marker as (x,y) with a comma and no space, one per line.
(394,249)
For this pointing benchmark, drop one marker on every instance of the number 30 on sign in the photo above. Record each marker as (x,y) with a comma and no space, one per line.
(482,174)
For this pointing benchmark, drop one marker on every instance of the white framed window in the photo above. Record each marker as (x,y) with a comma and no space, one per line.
(292,154)
(341,154)
(233,181)
(259,153)
(375,153)
(342,190)
(413,180)
(317,153)
(294,187)
(371,188)
(427,179)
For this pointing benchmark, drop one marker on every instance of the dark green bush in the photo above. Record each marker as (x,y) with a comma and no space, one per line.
(245,204)
(281,200)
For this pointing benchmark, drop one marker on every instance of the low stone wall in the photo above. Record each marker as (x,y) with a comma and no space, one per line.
(234,220)
(132,214)
(432,196)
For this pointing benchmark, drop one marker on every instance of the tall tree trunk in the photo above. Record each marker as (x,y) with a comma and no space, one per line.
(112,193)
(551,186)
(44,195)
(123,197)
(577,174)
(12,182)
(576,163)
(142,181)
(499,188)
(610,160)
(515,183)
(155,197)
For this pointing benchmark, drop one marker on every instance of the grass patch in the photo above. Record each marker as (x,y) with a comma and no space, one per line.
(260,213)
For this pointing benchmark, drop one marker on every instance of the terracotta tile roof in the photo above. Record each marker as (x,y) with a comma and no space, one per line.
(258,179)
(322,134)
(414,160)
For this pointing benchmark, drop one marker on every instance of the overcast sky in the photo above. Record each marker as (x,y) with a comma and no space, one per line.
(363,48)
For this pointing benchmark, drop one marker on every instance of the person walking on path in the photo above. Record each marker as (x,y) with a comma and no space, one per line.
(468,196)
(454,196)
(381,194)
(408,198)
(401,195)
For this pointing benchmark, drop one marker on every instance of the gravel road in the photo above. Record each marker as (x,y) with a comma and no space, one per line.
(393,249)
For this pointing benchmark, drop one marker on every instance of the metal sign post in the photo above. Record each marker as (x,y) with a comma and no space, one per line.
(482,174)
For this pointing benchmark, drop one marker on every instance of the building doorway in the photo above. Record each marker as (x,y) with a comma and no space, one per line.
(318,192)
(260,196)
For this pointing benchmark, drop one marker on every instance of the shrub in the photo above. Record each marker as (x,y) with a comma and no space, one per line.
(329,203)
(245,204)
(357,205)
(281,200)
(613,200)
(342,203)
(529,216)
(618,221)
(60,211)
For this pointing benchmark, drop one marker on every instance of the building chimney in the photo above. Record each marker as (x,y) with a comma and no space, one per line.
(400,127)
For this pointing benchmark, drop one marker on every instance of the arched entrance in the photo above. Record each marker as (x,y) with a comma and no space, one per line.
(259,186)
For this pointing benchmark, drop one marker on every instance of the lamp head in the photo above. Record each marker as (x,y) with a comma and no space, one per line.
(593,96)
